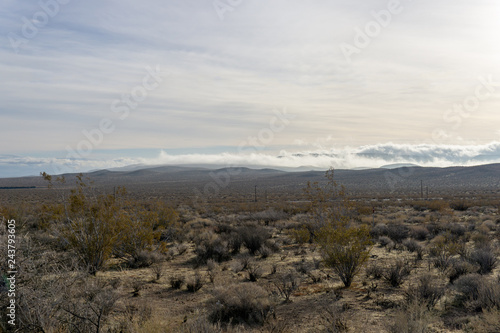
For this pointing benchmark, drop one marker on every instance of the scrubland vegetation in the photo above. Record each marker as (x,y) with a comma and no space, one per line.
(90,261)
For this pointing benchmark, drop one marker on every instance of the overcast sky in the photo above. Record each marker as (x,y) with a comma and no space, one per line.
(96,84)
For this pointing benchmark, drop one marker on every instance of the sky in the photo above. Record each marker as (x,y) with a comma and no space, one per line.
(101,84)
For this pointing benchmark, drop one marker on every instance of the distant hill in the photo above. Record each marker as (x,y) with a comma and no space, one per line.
(396,180)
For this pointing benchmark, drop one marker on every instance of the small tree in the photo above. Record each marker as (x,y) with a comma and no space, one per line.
(92,226)
(344,247)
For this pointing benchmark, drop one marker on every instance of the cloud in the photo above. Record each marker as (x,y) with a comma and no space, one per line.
(369,156)
(226,77)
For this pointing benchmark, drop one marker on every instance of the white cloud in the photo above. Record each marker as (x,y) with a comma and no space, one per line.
(370,156)
(225,77)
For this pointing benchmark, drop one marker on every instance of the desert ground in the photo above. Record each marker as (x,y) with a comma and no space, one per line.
(96,254)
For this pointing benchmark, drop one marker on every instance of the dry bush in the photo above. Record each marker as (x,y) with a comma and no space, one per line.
(212,270)
(385,241)
(211,246)
(334,319)
(455,229)
(485,258)
(396,273)
(97,226)
(202,325)
(481,240)
(458,268)
(269,215)
(446,244)
(487,322)
(253,237)
(254,271)
(144,259)
(88,309)
(476,292)
(412,245)
(489,295)
(300,235)
(181,248)
(459,205)
(158,270)
(234,241)
(398,232)
(415,318)
(265,251)
(374,270)
(286,284)
(378,230)
(176,281)
(237,266)
(433,206)
(420,233)
(239,303)
(442,261)
(427,291)
(194,283)
(490,225)
(468,285)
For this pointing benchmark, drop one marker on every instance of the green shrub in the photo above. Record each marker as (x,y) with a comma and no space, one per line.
(345,250)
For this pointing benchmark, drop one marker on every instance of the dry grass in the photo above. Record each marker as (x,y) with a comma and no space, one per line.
(275,280)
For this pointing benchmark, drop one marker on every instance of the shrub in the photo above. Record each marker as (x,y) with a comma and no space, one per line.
(426,291)
(378,230)
(286,284)
(459,268)
(468,286)
(374,270)
(416,318)
(345,250)
(239,303)
(478,292)
(397,272)
(344,247)
(300,236)
(200,325)
(412,245)
(234,242)
(456,229)
(144,259)
(237,266)
(211,246)
(157,270)
(488,322)
(176,281)
(442,261)
(485,258)
(265,251)
(489,295)
(438,205)
(460,205)
(212,269)
(419,232)
(253,238)
(481,240)
(194,283)
(397,232)
(181,248)
(445,244)
(254,272)
(334,319)
(385,241)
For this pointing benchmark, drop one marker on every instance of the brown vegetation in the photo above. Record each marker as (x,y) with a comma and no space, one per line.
(92,260)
